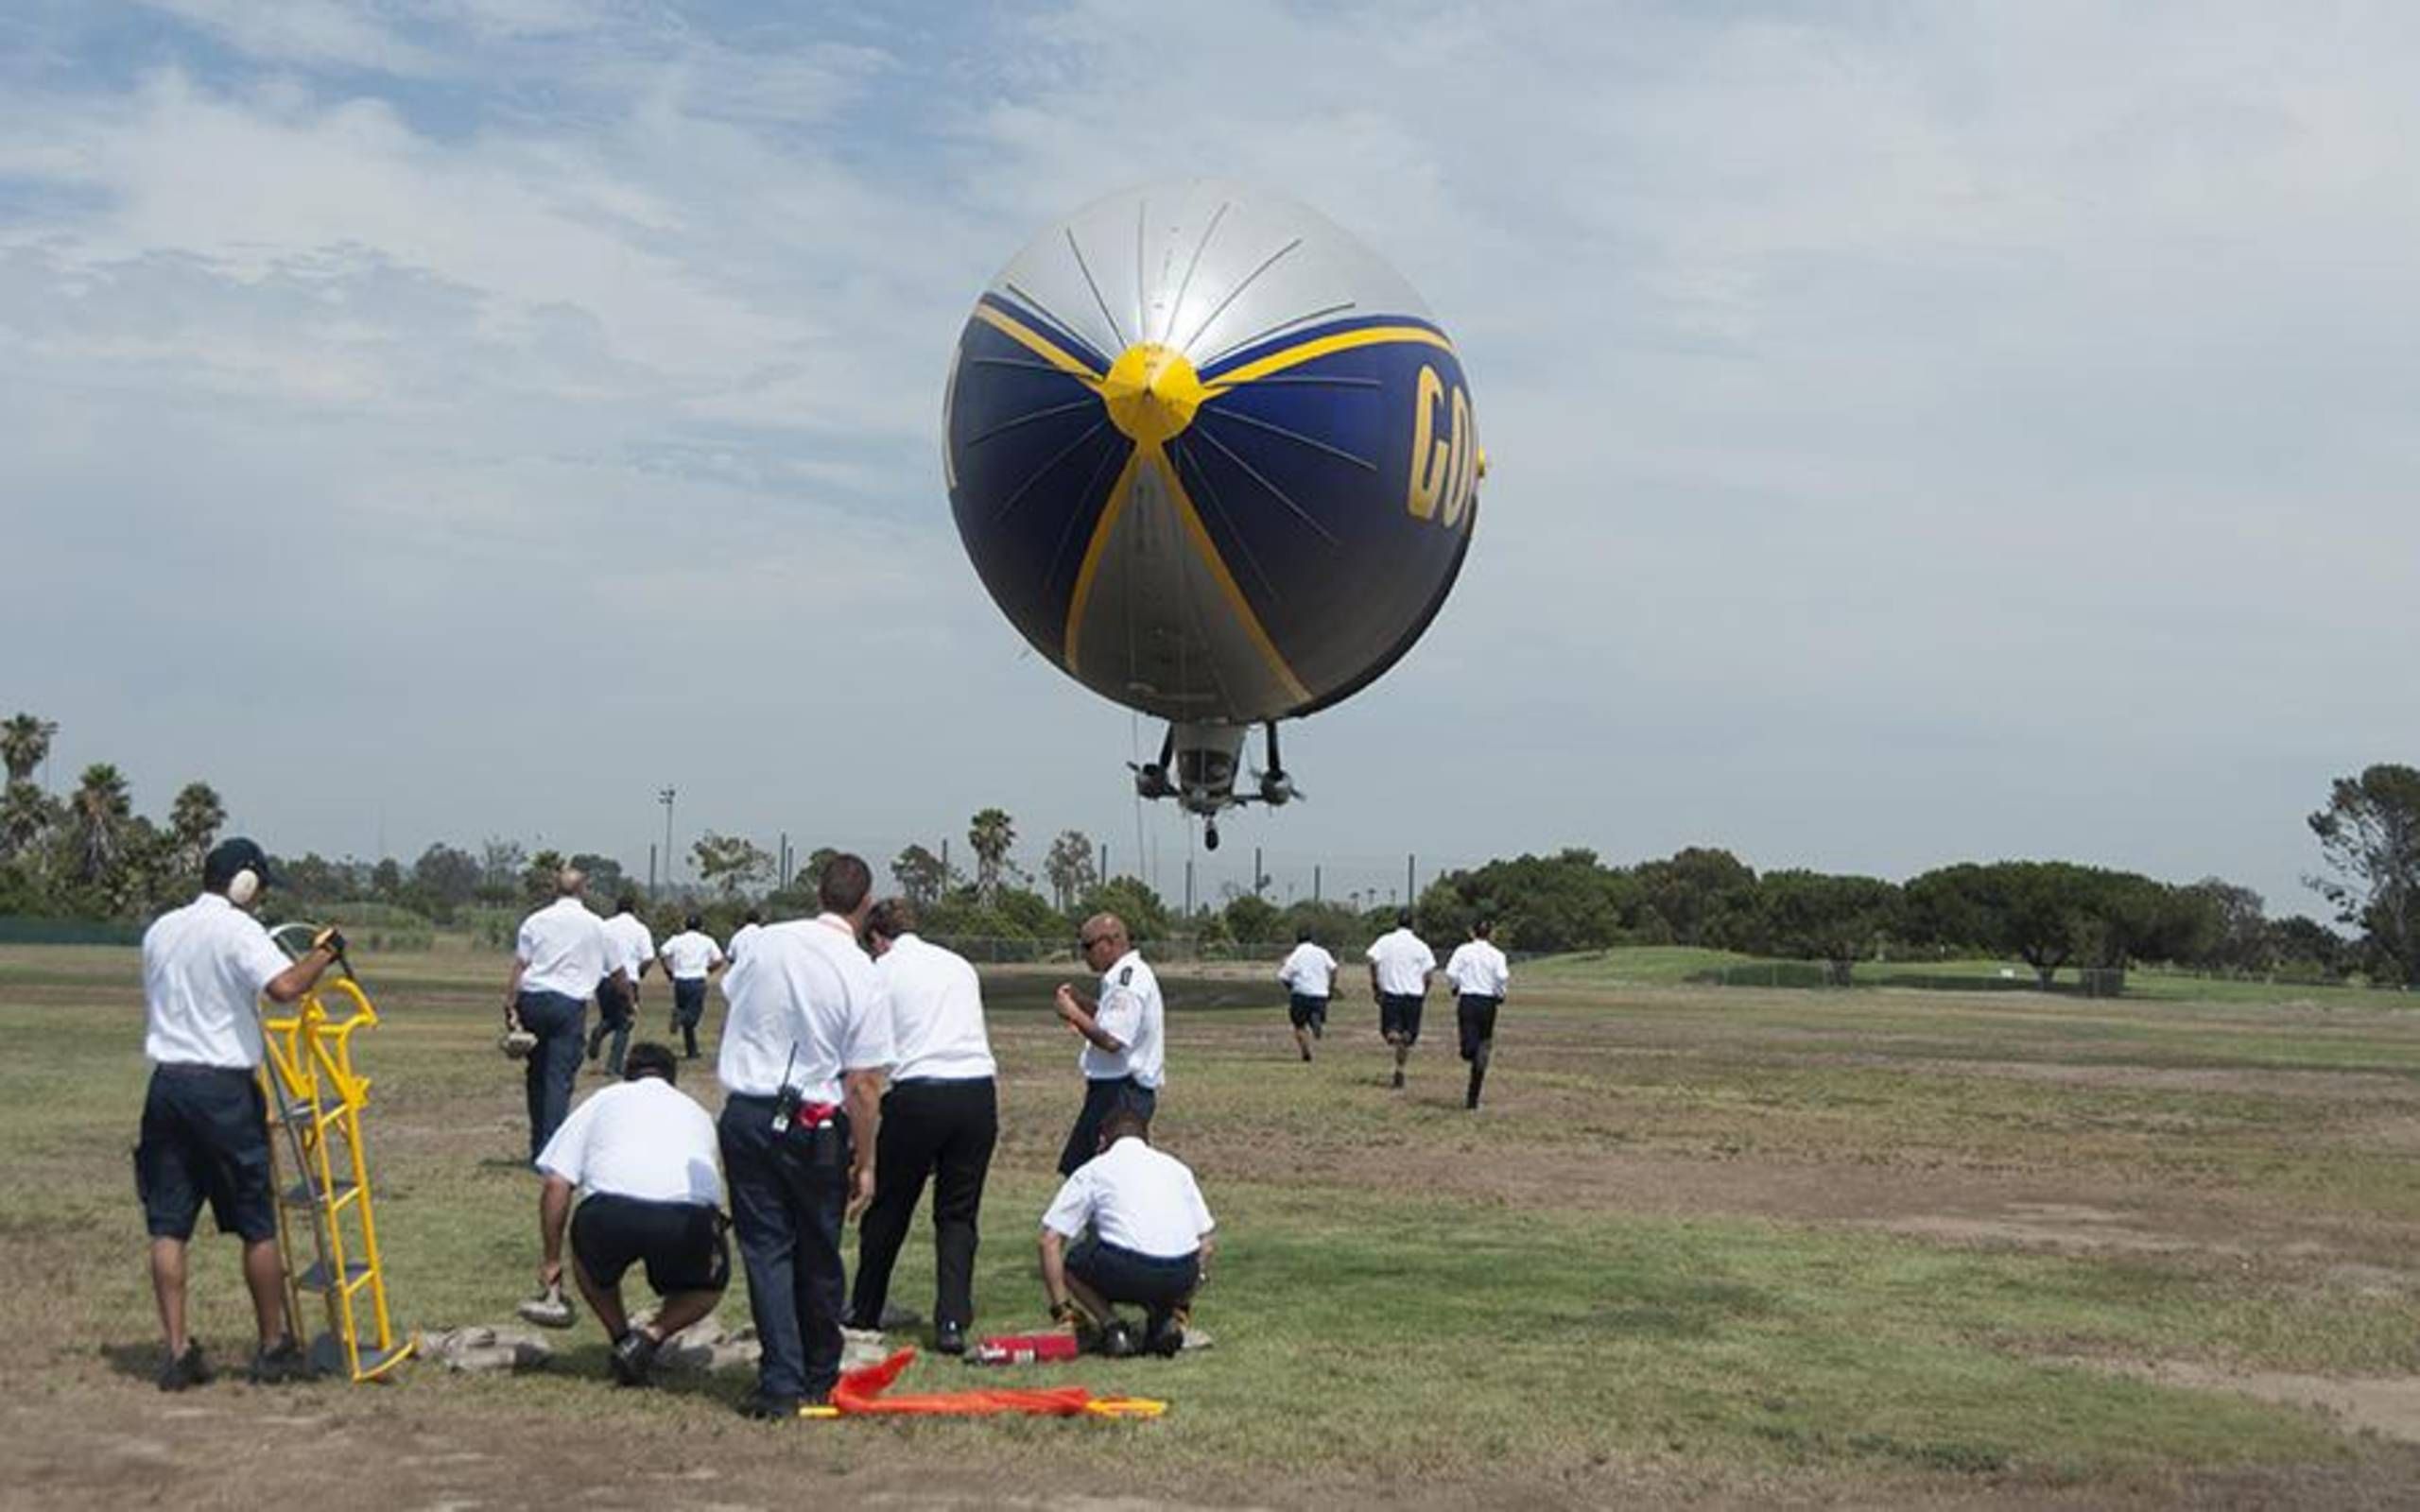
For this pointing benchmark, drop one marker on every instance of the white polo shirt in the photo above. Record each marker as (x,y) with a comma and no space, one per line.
(1404,962)
(1134,1197)
(937,1030)
(561,948)
(1479,969)
(204,967)
(1131,1012)
(690,955)
(740,937)
(628,945)
(1310,972)
(645,1138)
(805,985)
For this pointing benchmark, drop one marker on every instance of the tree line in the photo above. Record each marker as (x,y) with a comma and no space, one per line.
(86,855)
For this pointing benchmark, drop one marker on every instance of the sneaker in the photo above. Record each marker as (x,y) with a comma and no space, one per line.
(1398,1081)
(949,1338)
(770,1409)
(1306,1055)
(1117,1340)
(632,1357)
(548,1309)
(281,1362)
(181,1372)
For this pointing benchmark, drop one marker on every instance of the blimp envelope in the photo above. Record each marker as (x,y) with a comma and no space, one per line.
(1211,455)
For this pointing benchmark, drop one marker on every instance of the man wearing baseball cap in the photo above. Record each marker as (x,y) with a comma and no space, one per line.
(205,1133)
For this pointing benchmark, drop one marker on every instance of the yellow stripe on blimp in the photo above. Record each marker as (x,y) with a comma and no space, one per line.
(1040,345)
(1198,534)
(1318,347)
(1119,493)
(1226,580)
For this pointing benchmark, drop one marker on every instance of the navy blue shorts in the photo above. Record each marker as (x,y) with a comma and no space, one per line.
(206,1136)
(1399,1015)
(680,1242)
(1120,1275)
(1306,1011)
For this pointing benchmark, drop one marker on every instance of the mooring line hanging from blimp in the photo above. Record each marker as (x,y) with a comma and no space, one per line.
(1213,458)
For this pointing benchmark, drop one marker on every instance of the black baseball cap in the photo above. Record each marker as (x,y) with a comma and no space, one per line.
(231,856)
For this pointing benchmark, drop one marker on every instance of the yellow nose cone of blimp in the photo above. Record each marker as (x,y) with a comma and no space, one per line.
(1151,392)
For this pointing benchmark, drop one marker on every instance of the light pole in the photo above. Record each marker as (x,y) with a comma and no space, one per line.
(664,796)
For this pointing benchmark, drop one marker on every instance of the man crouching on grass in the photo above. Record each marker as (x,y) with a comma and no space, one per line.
(644,1153)
(1142,1236)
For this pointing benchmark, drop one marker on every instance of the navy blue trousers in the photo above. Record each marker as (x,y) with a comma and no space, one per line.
(553,1065)
(787,1194)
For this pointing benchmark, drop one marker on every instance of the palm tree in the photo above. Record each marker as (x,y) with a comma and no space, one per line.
(27,814)
(24,740)
(96,814)
(195,818)
(1070,867)
(991,832)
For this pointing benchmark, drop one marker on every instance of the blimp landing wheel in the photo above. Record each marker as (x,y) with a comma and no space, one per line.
(1209,837)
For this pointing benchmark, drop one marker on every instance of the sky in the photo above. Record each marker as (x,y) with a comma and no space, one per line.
(1917,433)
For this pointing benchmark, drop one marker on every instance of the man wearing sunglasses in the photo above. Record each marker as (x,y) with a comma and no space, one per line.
(1122,1056)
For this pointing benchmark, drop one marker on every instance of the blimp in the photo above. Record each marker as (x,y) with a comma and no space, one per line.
(1217,460)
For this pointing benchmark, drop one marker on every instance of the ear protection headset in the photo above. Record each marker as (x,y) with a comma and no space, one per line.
(243,887)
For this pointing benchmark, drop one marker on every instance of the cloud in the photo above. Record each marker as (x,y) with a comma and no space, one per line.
(1917,433)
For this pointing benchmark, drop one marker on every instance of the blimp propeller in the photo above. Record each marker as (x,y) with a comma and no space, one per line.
(1214,459)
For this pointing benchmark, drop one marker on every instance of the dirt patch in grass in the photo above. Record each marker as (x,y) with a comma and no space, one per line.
(2385,1405)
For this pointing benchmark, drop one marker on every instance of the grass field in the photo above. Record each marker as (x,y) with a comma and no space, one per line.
(1703,1247)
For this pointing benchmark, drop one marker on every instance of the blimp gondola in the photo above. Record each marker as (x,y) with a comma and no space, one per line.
(1215,460)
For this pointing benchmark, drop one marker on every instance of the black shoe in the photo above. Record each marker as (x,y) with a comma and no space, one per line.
(949,1338)
(281,1362)
(1165,1336)
(184,1371)
(770,1409)
(1398,1081)
(1306,1055)
(634,1356)
(1117,1340)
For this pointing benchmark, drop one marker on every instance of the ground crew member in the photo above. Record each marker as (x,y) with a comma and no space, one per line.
(940,1118)
(689,958)
(558,958)
(808,1031)
(1479,974)
(1400,962)
(642,1155)
(746,931)
(1141,1235)
(1309,975)
(628,945)
(205,1132)
(1122,1059)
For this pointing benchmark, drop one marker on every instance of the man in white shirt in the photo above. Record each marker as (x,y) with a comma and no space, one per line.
(630,946)
(205,1132)
(1141,1234)
(1122,1059)
(642,1155)
(1481,975)
(808,1031)
(1309,975)
(558,958)
(940,1118)
(1400,962)
(746,931)
(689,958)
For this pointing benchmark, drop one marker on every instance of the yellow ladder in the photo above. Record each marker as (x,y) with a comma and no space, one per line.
(322,1170)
